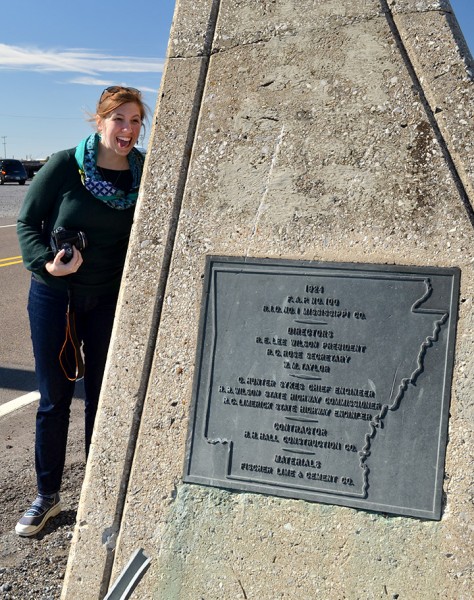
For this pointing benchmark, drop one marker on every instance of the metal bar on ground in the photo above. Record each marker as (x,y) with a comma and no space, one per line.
(130,576)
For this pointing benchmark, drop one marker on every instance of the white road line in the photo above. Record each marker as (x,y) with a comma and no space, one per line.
(9,407)
(3,226)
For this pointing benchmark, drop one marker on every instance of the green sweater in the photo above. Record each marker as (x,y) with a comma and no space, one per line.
(56,197)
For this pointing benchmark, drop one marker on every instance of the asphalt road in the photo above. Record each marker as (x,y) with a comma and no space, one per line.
(17,376)
(16,357)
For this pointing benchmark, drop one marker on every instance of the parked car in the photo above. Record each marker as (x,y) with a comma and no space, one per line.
(12,170)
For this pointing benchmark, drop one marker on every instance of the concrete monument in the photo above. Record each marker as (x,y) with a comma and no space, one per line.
(304,134)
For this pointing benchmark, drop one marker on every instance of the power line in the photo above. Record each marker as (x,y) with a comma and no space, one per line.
(41,117)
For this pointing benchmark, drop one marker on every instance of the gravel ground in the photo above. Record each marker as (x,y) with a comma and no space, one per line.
(34,568)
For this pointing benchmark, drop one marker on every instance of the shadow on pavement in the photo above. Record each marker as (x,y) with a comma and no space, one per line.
(25,380)
(17,379)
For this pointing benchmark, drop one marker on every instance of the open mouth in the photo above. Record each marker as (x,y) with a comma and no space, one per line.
(124,142)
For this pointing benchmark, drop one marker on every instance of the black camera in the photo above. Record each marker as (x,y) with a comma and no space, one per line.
(64,239)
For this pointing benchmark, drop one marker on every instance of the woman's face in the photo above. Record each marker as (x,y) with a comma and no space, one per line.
(120,130)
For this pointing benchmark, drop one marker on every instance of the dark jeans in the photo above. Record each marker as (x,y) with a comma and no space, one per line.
(94,318)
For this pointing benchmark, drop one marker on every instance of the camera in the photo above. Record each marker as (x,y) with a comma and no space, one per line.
(65,239)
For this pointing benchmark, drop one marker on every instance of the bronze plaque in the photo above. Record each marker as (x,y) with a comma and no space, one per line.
(328,382)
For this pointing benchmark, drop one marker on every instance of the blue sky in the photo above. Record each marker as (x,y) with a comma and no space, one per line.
(464,11)
(56,58)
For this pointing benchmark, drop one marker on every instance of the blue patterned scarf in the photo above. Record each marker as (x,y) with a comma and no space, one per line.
(86,157)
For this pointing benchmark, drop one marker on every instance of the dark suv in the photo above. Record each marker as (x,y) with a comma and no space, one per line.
(12,170)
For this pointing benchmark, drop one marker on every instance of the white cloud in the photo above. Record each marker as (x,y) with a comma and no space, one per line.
(88,80)
(75,60)
(105,82)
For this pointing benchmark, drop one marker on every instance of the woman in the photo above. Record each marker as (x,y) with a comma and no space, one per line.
(90,192)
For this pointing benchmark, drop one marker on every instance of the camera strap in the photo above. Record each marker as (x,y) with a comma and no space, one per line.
(70,356)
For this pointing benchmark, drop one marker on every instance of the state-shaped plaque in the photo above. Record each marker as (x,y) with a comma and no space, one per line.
(328,382)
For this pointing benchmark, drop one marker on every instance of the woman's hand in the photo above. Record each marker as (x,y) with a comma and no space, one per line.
(59,269)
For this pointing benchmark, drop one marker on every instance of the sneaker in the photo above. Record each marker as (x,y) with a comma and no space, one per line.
(35,518)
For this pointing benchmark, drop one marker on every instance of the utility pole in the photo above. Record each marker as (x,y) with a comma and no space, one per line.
(4,137)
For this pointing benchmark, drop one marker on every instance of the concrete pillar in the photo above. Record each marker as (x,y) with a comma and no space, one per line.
(336,130)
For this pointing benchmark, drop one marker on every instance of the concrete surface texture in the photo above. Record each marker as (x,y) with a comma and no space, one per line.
(335,130)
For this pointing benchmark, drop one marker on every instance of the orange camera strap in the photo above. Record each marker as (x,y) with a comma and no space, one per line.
(70,356)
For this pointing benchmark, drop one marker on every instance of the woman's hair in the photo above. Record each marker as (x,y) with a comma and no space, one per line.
(114,96)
